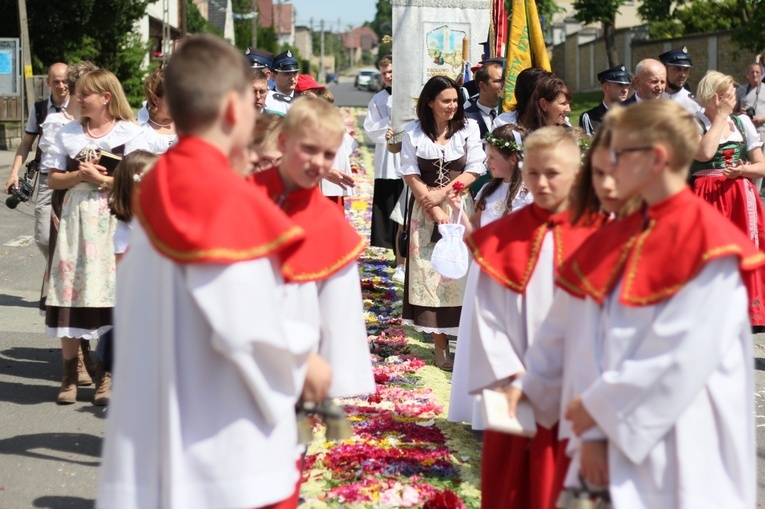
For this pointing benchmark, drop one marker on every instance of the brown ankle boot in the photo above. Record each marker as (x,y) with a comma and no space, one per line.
(103,387)
(68,392)
(85,366)
(86,372)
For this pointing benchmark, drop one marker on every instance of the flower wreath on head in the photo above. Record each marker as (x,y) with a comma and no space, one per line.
(504,145)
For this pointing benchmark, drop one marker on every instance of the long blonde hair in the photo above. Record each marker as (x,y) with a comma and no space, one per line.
(101,81)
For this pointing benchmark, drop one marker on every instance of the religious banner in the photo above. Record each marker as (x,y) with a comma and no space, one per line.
(525,47)
(432,38)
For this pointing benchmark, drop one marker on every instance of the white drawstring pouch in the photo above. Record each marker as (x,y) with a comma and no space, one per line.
(450,255)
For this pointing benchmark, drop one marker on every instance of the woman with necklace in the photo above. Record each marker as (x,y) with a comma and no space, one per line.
(441,148)
(158,125)
(82,276)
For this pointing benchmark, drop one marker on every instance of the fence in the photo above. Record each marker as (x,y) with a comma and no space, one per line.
(13,114)
(578,65)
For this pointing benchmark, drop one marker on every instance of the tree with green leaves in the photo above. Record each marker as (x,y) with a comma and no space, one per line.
(102,31)
(604,12)
(383,22)
(683,17)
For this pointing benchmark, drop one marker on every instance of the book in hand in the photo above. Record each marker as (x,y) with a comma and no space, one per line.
(496,417)
(109,161)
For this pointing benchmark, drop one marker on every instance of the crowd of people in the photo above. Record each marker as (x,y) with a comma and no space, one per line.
(616,273)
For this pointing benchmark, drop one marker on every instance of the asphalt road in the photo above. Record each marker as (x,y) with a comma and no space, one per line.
(49,454)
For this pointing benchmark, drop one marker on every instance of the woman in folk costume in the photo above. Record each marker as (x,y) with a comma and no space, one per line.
(86,368)
(559,363)
(730,155)
(82,277)
(325,263)
(441,148)
(519,256)
(503,194)
(158,125)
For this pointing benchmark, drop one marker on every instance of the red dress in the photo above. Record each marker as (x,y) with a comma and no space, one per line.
(739,201)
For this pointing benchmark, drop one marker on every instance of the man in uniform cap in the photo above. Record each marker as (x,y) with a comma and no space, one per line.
(615,83)
(678,63)
(285,69)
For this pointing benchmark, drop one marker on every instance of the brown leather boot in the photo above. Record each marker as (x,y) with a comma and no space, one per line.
(103,386)
(86,368)
(68,392)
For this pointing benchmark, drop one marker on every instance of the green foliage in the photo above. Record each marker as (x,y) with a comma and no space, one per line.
(196,23)
(669,19)
(383,22)
(596,11)
(709,16)
(267,39)
(102,31)
(242,27)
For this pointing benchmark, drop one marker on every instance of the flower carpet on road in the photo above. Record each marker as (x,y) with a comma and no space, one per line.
(403,453)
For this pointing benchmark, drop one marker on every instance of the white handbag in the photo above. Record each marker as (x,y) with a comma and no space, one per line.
(450,256)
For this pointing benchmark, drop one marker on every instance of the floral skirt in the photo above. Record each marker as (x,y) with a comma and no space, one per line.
(432,303)
(82,271)
(739,201)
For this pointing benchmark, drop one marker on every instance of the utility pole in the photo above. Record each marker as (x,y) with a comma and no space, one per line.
(322,77)
(254,23)
(184,17)
(27,55)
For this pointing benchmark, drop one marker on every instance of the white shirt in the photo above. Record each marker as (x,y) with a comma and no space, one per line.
(342,162)
(752,137)
(278,106)
(32,127)
(417,144)
(685,99)
(376,125)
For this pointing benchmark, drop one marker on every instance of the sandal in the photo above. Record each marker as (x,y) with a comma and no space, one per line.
(443,358)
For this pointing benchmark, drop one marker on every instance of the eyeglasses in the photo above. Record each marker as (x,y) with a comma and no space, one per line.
(265,164)
(614,153)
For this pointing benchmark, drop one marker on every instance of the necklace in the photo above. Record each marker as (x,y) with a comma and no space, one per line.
(87,127)
(164,126)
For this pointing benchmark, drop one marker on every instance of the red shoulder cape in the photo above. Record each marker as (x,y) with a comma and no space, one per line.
(657,251)
(508,249)
(330,242)
(196,210)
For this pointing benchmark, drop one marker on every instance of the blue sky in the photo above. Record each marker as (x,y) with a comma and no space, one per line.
(349,12)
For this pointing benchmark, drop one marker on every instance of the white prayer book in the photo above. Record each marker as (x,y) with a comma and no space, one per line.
(496,417)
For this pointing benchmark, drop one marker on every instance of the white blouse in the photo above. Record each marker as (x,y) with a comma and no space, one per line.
(496,202)
(71,139)
(752,137)
(417,144)
(158,143)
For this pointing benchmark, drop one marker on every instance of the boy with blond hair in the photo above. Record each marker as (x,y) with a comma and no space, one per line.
(208,367)
(325,263)
(672,397)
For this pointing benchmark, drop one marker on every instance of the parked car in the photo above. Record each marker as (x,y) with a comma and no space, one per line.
(375,82)
(331,77)
(363,77)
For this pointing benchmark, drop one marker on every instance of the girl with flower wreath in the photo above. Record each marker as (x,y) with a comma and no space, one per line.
(82,277)
(503,194)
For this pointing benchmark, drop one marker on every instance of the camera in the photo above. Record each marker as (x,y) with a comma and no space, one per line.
(750,112)
(26,187)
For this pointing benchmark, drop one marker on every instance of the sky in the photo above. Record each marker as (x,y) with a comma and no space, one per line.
(349,12)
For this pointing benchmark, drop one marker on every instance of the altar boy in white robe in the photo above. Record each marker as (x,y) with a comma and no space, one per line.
(207,366)
(519,255)
(673,395)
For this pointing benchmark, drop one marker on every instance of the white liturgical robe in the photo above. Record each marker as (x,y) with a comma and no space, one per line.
(207,372)
(675,396)
(505,323)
